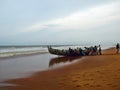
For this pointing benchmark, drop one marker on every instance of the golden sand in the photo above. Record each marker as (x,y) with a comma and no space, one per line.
(101,72)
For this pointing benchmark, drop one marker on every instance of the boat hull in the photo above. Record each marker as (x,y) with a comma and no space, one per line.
(63,52)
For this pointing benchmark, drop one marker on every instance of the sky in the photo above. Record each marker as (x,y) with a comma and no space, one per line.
(59,22)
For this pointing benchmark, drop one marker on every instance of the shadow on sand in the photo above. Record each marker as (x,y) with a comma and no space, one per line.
(59,60)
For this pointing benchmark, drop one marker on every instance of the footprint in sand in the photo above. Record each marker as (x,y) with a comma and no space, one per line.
(91,85)
(74,80)
(86,84)
(109,84)
(103,80)
(118,69)
(91,79)
(116,78)
(101,76)
(61,84)
(64,79)
(97,71)
(78,86)
(91,74)
(78,77)
(114,85)
(98,85)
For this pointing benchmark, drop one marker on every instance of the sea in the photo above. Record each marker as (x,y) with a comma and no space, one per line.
(8,51)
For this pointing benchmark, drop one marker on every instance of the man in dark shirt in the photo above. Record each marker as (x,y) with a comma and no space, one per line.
(117,48)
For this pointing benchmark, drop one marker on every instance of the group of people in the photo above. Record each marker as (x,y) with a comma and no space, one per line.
(86,51)
(96,50)
(93,50)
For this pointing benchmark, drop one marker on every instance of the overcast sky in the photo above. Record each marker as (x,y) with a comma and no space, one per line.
(38,22)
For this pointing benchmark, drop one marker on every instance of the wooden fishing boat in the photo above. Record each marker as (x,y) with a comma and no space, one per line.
(69,52)
(74,52)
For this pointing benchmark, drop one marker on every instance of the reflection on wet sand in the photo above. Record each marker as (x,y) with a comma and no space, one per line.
(63,60)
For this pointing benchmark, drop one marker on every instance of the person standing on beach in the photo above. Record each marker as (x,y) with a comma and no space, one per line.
(117,48)
(99,50)
(96,50)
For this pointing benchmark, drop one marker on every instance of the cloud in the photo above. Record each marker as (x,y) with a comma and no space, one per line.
(81,20)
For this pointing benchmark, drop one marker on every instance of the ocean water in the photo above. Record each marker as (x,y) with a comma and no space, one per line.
(7,51)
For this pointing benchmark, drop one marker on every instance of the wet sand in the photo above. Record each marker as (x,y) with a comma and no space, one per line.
(100,72)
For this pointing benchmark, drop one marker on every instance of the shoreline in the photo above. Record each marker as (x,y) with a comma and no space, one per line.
(99,72)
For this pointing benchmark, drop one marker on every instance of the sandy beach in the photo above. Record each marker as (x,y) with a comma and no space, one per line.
(101,72)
